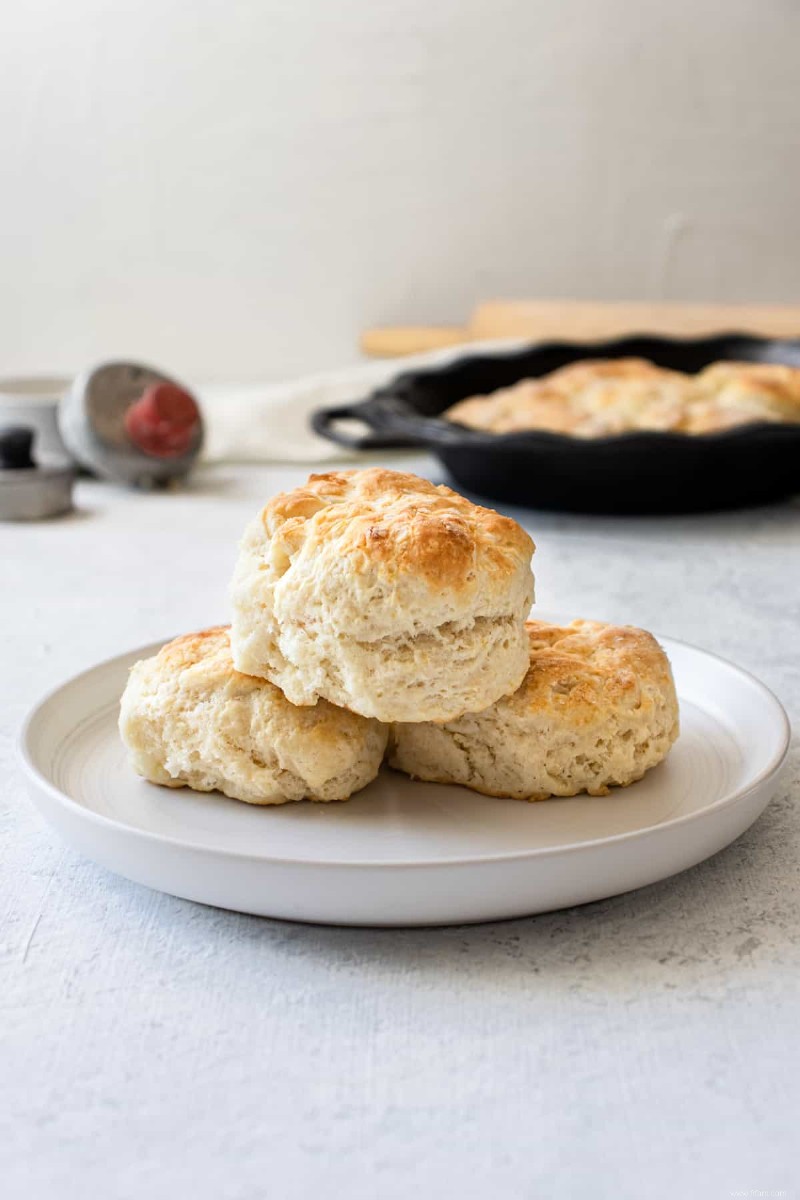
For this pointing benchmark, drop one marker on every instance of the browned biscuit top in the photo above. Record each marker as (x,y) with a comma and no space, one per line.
(398,524)
(588,666)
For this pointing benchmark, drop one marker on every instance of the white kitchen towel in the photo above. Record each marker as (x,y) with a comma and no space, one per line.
(270,422)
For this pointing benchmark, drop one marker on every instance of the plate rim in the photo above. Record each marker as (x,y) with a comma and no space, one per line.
(35,776)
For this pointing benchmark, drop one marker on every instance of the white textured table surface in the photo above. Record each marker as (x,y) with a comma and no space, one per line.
(645,1046)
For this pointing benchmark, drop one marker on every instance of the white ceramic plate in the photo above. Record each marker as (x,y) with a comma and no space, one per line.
(404,853)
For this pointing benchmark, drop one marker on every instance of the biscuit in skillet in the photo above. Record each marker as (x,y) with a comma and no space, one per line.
(589,398)
(727,395)
(604,397)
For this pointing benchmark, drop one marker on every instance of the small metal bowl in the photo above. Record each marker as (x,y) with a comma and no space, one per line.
(625,473)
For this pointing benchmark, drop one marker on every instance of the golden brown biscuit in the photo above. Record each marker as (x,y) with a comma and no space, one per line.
(384,594)
(189,719)
(597,708)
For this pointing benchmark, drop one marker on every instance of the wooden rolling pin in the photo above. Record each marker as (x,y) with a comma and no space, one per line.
(578,320)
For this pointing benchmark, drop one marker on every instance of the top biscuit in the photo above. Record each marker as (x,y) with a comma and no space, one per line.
(383,593)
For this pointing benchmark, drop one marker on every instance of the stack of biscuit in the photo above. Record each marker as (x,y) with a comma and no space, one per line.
(377,616)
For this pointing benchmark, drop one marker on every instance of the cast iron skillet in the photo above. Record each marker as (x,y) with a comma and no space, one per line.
(626,473)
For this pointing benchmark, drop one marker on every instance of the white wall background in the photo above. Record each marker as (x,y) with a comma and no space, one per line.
(233,188)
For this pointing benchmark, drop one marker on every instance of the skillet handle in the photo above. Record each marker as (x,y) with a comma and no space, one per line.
(323,422)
